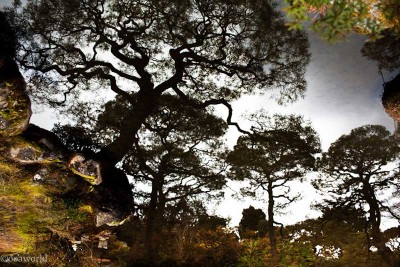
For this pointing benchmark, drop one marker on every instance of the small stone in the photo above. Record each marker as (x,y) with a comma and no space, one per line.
(103,238)
(25,154)
(103,217)
(75,244)
(88,169)
(110,218)
(103,243)
(4,124)
(37,177)
(40,175)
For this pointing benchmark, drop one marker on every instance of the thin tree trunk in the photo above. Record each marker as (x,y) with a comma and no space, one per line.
(388,257)
(271,230)
(150,224)
(154,217)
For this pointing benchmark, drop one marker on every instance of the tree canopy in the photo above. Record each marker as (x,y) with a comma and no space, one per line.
(178,150)
(252,220)
(206,52)
(177,154)
(385,51)
(281,150)
(358,168)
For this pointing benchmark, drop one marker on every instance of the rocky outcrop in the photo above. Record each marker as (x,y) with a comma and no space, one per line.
(49,193)
(15,106)
(42,197)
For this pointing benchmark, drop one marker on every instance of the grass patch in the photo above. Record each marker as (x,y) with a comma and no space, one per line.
(7,168)
(74,213)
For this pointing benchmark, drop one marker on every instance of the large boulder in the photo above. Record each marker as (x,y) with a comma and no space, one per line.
(42,198)
(44,202)
(15,106)
(51,197)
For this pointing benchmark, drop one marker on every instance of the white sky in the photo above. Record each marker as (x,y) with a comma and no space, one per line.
(5,2)
(343,93)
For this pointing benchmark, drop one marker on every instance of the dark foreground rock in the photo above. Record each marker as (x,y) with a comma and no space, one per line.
(54,201)
(391,98)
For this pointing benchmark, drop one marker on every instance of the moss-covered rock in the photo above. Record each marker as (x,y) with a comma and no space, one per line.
(88,169)
(51,198)
(41,201)
(33,210)
(15,105)
(26,151)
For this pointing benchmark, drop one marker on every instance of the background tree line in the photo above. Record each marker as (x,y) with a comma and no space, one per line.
(165,64)
(357,178)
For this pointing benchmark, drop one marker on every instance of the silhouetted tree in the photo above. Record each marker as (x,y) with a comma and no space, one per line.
(177,154)
(253,220)
(206,52)
(385,51)
(280,151)
(357,169)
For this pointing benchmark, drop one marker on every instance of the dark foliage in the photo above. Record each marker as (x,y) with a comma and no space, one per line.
(280,150)
(205,52)
(252,219)
(385,51)
(8,38)
(355,173)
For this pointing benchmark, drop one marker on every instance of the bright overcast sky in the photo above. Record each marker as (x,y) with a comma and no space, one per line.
(343,93)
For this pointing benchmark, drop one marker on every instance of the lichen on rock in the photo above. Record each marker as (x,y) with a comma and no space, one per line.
(44,203)
(88,169)
(110,218)
(25,154)
(15,105)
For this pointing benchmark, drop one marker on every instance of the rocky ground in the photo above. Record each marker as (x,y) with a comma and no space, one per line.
(53,200)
